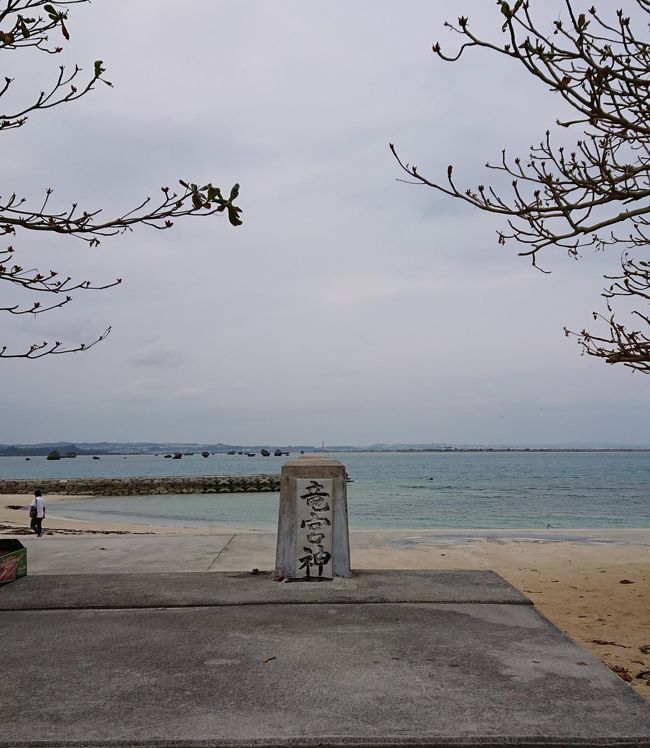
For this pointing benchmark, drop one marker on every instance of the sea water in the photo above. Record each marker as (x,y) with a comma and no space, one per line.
(387,490)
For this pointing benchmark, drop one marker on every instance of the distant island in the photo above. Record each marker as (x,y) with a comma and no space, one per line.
(161,448)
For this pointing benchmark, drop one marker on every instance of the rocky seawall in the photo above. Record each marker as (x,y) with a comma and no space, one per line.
(145,486)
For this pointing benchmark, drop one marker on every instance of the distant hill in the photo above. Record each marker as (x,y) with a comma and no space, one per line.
(106,448)
(134,448)
(34,450)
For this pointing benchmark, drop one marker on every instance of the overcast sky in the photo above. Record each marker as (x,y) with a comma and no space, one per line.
(350,307)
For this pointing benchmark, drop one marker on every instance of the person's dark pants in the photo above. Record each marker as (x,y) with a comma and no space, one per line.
(35,524)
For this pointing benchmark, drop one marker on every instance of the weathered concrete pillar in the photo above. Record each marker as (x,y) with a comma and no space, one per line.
(313,540)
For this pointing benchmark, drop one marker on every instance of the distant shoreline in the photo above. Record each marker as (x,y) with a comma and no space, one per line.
(498,449)
(39,452)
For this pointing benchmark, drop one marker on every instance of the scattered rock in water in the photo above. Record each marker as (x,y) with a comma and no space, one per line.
(278,453)
(265,452)
(205,454)
(54,455)
(177,456)
(95,457)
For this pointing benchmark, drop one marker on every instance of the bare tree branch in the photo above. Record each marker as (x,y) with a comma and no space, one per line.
(577,198)
(38,350)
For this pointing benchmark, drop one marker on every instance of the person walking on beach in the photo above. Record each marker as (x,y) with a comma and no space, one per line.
(37,512)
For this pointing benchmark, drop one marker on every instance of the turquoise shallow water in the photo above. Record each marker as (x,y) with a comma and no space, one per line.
(389,490)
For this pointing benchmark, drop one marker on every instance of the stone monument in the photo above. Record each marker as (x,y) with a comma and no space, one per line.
(313,541)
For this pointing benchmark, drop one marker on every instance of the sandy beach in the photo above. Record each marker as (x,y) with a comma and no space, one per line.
(593,584)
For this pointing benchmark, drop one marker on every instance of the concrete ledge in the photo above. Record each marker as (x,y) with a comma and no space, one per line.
(200,589)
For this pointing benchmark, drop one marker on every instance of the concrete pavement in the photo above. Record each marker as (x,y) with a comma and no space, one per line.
(238,550)
(142,640)
(114,554)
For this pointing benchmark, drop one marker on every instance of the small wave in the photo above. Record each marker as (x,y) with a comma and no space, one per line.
(430,487)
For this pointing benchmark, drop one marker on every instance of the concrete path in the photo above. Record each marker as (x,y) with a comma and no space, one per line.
(382,659)
(115,554)
(242,551)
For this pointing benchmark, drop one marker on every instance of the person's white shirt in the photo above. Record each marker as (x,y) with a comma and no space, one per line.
(40,504)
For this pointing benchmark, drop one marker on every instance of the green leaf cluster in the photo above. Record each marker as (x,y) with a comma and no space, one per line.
(206,196)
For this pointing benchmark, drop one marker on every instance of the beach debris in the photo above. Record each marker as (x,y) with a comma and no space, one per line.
(255,571)
(279,578)
(622,672)
(644,675)
(13,530)
(268,659)
(625,581)
(645,649)
(608,643)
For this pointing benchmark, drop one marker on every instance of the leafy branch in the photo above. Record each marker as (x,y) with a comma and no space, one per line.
(29,24)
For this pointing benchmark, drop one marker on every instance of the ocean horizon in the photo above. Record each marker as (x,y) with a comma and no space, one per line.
(399,490)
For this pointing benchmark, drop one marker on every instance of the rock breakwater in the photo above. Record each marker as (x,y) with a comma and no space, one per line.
(145,486)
